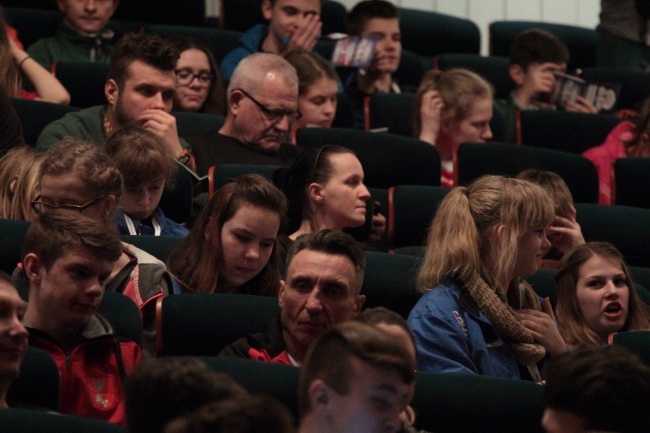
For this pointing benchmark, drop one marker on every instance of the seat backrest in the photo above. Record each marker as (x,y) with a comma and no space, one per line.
(636,341)
(36,115)
(176,202)
(632,182)
(628,228)
(387,159)
(410,212)
(393,111)
(220,41)
(157,246)
(390,282)
(123,315)
(84,81)
(635,84)
(189,123)
(12,233)
(187,12)
(580,41)
(203,324)
(29,421)
(641,275)
(32,24)
(223,172)
(478,159)
(571,132)
(37,371)
(463,403)
(543,282)
(492,68)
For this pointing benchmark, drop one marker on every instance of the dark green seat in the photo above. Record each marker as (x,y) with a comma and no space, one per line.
(464,403)
(636,341)
(632,182)
(572,132)
(478,159)
(220,41)
(641,276)
(36,115)
(635,84)
(84,81)
(344,111)
(203,324)
(30,421)
(12,233)
(410,213)
(176,202)
(157,246)
(38,371)
(580,41)
(543,282)
(186,13)
(387,159)
(628,228)
(390,282)
(223,172)
(31,23)
(189,123)
(492,68)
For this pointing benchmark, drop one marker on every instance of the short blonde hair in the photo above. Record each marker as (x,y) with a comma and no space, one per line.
(19,169)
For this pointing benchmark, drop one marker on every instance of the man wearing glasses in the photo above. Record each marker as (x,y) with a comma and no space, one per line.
(262,105)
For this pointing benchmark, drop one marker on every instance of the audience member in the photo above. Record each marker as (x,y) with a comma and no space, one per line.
(317,90)
(596,296)
(379,19)
(161,389)
(19,182)
(147,167)
(80,177)
(140,91)
(231,247)
(627,139)
(15,64)
(564,233)
(11,130)
(68,259)
(13,336)
(355,378)
(198,83)
(476,315)
(624,35)
(597,390)
(535,56)
(292,25)
(262,106)
(255,414)
(82,36)
(452,107)
(324,277)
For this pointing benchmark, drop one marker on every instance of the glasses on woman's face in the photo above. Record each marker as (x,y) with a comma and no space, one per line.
(273,115)
(184,77)
(41,206)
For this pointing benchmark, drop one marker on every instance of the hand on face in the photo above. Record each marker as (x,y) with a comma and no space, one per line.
(163,125)
(565,233)
(305,35)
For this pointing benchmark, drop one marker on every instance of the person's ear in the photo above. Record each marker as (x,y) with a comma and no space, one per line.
(108,206)
(358,303)
(111,91)
(517,74)
(320,397)
(315,191)
(234,101)
(267,10)
(62,5)
(32,268)
(281,293)
(116,3)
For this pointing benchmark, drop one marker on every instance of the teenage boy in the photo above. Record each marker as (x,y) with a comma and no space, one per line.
(535,56)
(67,258)
(292,25)
(81,36)
(380,19)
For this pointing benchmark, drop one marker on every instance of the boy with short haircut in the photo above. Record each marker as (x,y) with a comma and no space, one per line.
(147,166)
(67,258)
(378,18)
(292,25)
(535,55)
(81,36)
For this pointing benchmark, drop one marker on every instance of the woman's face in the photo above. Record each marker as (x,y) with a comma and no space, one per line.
(247,241)
(193,80)
(343,196)
(531,247)
(318,104)
(603,295)
(473,128)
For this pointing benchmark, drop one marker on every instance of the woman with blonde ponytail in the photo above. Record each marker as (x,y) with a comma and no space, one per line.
(476,315)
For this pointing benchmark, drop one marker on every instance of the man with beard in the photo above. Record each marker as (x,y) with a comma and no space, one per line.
(139,91)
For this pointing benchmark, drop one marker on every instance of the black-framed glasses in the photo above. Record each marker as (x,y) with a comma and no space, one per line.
(185,76)
(273,115)
(41,206)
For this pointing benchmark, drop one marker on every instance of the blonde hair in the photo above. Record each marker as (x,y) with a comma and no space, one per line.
(458,88)
(10,79)
(573,327)
(19,169)
(458,245)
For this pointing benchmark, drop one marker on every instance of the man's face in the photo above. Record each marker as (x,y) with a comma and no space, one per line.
(140,202)
(67,294)
(376,398)
(321,290)
(145,89)
(88,16)
(539,78)
(286,16)
(13,335)
(251,125)
(389,45)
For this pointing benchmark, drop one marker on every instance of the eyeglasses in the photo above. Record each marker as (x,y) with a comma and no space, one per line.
(40,206)
(184,77)
(273,115)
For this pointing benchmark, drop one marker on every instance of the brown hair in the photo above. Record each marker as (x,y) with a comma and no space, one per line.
(330,358)
(554,186)
(458,88)
(572,325)
(57,231)
(10,78)
(19,169)
(537,46)
(367,10)
(141,156)
(310,68)
(194,261)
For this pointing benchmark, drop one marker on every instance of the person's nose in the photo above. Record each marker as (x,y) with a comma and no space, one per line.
(90,5)
(252,252)
(546,244)
(17,329)
(95,288)
(313,304)
(283,124)
(487,133)
(329,109)
(157,101)
(364,194)
(611,291)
